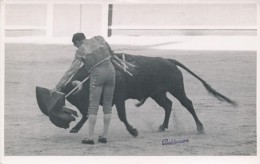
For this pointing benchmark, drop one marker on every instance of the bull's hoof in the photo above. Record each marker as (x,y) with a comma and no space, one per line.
(74,130)
(134,132)
(161,128)
(200,130)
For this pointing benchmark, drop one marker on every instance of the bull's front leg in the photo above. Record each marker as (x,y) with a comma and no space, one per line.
(79,125)
(122,116)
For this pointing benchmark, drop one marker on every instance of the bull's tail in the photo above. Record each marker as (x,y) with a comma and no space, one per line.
(206,85)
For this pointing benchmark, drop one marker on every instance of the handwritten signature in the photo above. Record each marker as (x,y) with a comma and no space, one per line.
(173,141)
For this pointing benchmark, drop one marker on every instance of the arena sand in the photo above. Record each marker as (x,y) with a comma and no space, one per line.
(228,130)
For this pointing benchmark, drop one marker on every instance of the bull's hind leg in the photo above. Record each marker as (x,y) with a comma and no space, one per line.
(122,116)
(179,93)
(166,103)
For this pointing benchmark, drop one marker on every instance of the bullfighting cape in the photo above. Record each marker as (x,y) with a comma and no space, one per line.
(54,107)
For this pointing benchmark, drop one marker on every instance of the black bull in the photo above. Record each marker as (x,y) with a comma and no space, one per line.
(152,77)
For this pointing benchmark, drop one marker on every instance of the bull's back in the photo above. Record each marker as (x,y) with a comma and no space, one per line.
(150,76)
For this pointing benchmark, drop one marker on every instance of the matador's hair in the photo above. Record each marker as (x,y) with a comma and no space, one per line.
(78,37)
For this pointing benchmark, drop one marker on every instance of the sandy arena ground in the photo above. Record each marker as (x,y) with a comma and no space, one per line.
(229,130)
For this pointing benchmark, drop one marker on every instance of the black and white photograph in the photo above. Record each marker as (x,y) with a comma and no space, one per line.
(129,81)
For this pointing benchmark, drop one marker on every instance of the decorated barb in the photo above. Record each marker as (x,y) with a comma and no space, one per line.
(121,64)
